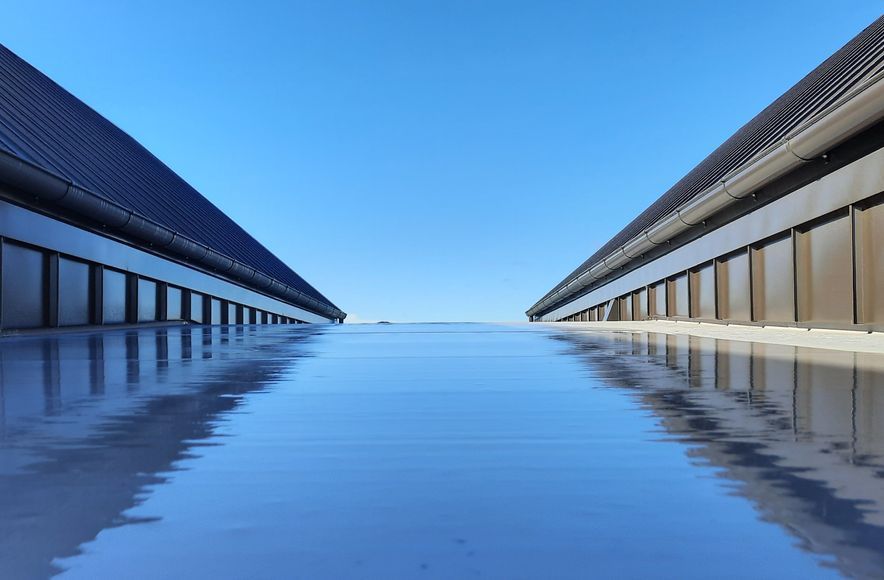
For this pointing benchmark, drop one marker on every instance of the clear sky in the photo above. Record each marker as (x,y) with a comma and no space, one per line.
(431,160)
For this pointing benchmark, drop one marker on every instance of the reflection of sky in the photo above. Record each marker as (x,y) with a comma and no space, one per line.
(439,450)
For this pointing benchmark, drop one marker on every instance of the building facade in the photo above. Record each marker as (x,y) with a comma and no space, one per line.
(95,230)
(783,224)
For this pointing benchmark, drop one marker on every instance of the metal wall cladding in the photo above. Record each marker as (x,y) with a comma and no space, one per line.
(703,292)
(173,303)
(147,300)
(825,273)
(197,307)
(113,296)
(774,293)
(626,307)
(734,298)
(658,304)
(74,292)
(640,304)
(678,303)
(24,287)
(45,125)
(216,312)
(870,263)
(856,62)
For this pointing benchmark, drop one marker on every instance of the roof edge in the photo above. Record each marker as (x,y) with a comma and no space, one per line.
(32,181)
(855,112)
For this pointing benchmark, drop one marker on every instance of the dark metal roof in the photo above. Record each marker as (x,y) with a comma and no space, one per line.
(857,61)
(45,125)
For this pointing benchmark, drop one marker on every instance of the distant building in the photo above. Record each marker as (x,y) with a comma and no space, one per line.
(783,224)
(95,230)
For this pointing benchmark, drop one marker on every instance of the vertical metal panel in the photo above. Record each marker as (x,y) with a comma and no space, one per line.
(773,292)
(870,263)
(113,293)
(52,289)
(215,317)
(625,307)
(640,306)
(24,287)
(734,287)
(173,303)
(702,292)
(197,307)
(231,313)
(678,303)
(74,292)
(825,272)
(147,300)
(659,303)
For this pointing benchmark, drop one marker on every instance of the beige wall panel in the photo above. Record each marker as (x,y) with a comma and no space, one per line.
(733,288)
(870,263)
(774,291)
(825,284)
(703,292)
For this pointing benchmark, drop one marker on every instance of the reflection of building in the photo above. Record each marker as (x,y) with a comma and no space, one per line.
(115,412)
(96,230)
(782,224)
(800,430)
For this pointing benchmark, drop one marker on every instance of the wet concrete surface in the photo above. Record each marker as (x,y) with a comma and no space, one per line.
(436,451)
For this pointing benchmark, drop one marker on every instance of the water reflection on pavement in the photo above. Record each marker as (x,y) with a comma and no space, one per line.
(438,451)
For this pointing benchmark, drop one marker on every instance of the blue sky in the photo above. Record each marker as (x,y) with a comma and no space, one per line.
(430,160)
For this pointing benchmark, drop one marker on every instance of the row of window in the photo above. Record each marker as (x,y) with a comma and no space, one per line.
(40,289)
(826,272)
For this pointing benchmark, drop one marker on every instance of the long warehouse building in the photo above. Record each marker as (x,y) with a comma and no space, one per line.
(95,230)
(783,224)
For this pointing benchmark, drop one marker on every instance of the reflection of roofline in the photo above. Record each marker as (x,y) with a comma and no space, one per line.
(807,508)
(81,486)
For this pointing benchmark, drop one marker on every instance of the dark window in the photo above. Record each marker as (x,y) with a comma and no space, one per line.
(24,287)
(113,296)
(173,303)
(147,300)
(74,292)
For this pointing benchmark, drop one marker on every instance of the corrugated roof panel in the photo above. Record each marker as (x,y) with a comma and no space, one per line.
(46,125)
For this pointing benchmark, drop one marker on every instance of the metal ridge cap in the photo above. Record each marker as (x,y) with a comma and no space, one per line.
(804,130)
(24,175)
